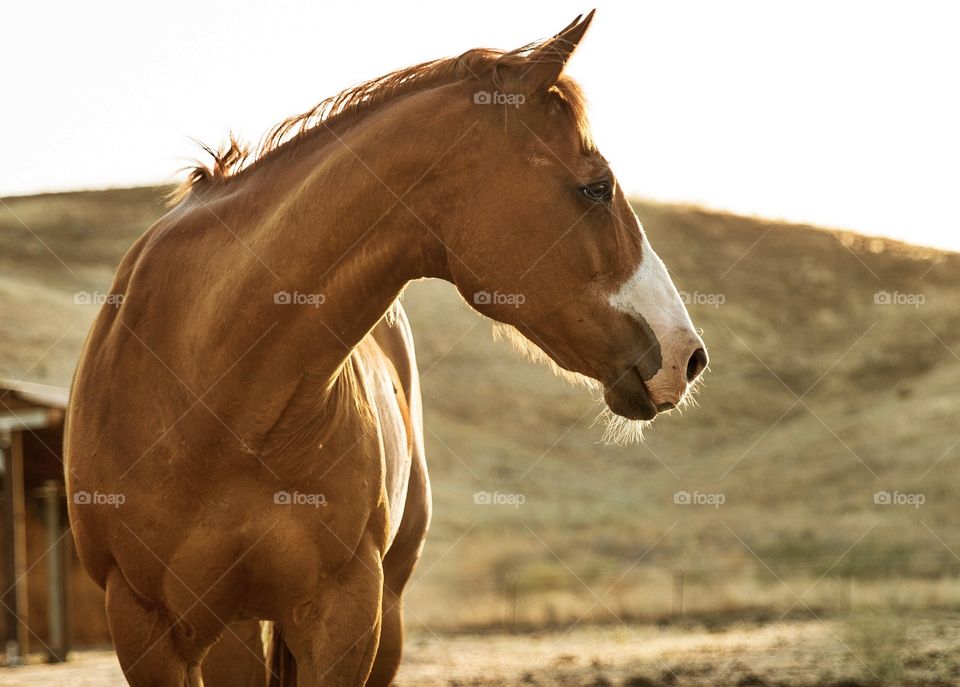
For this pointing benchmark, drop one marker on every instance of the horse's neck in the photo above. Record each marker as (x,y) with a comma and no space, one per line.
(344,240)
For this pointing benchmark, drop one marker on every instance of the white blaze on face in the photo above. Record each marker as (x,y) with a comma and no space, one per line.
(649,294)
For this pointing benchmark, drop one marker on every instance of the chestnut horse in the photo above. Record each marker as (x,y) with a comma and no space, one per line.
(254,394)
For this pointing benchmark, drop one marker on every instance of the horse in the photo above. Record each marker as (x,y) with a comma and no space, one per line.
(250,397)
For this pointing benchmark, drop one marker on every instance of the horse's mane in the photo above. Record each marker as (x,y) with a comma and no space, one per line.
(235,156)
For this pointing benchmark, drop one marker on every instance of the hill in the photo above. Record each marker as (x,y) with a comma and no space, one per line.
(834,376)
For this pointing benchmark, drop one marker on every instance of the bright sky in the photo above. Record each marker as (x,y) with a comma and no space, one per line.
(842,114)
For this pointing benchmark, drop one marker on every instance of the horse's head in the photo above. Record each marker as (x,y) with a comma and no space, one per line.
(553,248)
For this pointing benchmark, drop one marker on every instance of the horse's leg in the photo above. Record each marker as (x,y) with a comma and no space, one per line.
(237,660)
(391,641)
(334,636)
(282,664)
(398,565)
(397,568)
(146,640)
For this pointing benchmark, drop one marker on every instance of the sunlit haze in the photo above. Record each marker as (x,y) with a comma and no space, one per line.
(839,114)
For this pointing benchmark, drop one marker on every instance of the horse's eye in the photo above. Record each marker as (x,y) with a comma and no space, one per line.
(600,192)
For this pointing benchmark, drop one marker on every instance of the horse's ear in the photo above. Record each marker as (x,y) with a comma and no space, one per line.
(544,64)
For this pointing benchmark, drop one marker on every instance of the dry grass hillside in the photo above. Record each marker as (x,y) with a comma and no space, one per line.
(818,396)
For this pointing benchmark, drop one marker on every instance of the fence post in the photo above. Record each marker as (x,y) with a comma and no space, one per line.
(56,584)
(846,592)
(678,594)
(511,594)
(516,597)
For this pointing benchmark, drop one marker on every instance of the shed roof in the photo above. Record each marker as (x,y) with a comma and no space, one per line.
(41,395)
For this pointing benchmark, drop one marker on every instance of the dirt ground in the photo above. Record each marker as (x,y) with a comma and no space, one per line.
(835,653)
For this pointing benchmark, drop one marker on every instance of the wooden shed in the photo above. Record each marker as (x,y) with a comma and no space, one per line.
(47,603)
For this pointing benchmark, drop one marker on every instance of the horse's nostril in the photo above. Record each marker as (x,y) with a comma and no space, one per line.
(695,365)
